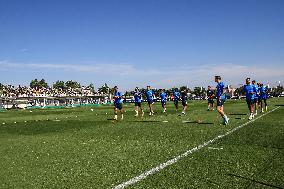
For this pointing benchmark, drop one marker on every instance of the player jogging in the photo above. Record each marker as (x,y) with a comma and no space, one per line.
(138,102)
(163,97)
(150,99)
(184,99)
(117,103)
(221,99)
(210,96)
(250,91)
(263,96)
(176,95)
(256,96)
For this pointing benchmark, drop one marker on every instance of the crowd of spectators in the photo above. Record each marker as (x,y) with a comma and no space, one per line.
(10,91)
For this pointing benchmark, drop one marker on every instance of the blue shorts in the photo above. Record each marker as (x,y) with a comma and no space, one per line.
(118,106)
(150,101)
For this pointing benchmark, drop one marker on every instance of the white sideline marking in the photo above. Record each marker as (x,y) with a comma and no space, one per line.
(185,154)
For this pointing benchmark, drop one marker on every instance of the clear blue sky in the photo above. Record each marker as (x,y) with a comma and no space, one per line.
(140,42)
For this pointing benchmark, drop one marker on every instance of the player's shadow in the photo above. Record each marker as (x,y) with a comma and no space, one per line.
(279,104)
(147,121)
(201,123)
(253,180)
(237,114)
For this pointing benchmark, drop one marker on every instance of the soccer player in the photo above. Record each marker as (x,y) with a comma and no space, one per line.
(250,92)
(163,97)
(263,96)
(150,99)
(210,96)
(256,96)
(184,99)
(176,98)
(221,98)
(117,103)
(138,102)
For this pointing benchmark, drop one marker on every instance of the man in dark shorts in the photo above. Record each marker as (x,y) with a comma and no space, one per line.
(117,103)
(250,92)
(150,100)
(163,97)
(138,102)
(176,95)
(221,99)
(210,96)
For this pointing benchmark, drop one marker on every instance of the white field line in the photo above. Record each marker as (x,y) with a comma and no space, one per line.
(185,154)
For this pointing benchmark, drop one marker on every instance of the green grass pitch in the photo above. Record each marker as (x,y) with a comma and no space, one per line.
(80,148)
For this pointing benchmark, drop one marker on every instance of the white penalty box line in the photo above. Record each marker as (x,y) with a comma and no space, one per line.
(185,154)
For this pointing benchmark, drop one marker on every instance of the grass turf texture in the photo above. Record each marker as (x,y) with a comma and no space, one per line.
(55,149)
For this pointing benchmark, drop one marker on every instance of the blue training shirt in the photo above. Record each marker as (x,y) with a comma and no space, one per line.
(263,92)
(176,95)
(220,89)
(249,89)
(256,89)
(137,97)
(118,98)
(149,95)
(163,96)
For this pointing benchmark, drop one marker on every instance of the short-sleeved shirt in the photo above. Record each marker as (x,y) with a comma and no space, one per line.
(220,89)
(118,98)
(149,95)
(184,96)
(163,96)
(176,96)
(263,92)
(210,94)
(248,89)
(137,97)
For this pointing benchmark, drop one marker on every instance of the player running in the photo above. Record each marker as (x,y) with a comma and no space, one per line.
(176,95)
(184,99)
(256,96)
(150,99)
(163,97)
(250,92)
(221,99)
(210,96)
(138,102)
(117,103)
(263,96)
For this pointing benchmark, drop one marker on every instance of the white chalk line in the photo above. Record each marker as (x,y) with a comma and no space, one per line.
(185,154)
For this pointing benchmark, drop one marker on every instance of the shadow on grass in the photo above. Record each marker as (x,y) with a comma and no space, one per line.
(45,127)
(255,181)
(279,104)
(237,114)
(201,123)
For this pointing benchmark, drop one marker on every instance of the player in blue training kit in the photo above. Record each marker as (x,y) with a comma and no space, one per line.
(176,95)
(221,98)
(263,96)
(117,103)
(250,91)
(138,102)
(163,97)
(210,97)
(150,100)
(256,96)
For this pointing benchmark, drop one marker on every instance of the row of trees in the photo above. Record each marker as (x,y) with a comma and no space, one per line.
(35,83)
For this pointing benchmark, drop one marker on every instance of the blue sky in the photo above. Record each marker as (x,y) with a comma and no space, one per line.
(139,42)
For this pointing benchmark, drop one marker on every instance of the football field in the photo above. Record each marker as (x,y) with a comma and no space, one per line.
(80,148)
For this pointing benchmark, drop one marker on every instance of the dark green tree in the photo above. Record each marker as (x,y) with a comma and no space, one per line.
(59,85)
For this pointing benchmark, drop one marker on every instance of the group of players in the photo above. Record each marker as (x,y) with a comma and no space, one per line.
(256,95)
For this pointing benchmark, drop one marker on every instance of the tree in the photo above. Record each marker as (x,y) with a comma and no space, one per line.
(92,88)
(59,85)
(104,89)
(42,83)
(72,84)
(199,91)
(34,83)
